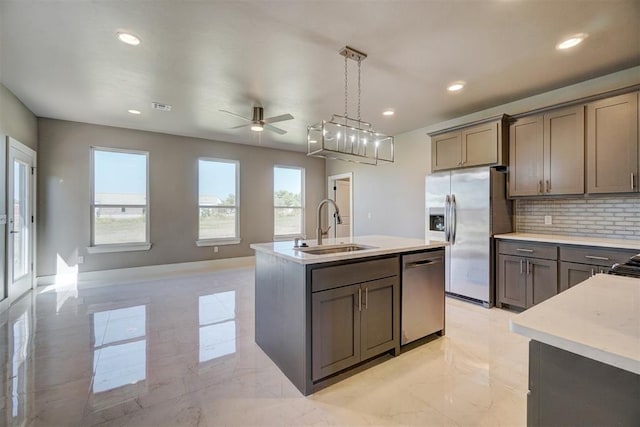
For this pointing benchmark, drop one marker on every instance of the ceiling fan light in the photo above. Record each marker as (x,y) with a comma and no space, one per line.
(257,127)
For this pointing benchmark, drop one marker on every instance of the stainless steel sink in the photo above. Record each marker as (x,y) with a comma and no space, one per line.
(334,249)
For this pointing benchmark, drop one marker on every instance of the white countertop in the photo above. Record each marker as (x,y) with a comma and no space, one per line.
(381,245)
(598,318)
(572,240)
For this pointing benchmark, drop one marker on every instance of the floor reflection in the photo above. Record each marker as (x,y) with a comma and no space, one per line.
(119,354)
(18,379)
(217,320)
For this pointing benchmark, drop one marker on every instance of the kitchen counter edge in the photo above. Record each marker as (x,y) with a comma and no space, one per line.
(572,240)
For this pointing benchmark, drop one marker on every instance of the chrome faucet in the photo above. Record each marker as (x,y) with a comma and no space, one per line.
(319,230)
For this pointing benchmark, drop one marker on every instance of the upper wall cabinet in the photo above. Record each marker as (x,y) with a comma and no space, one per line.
(612,145)
(546,153)
(475,145)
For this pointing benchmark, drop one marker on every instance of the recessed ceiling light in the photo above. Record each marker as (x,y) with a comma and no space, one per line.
(128,38)
(136,112)
(455,86)
(388,112)
(572,41)
(257,127)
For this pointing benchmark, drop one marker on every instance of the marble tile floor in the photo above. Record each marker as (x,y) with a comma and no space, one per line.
(181,352)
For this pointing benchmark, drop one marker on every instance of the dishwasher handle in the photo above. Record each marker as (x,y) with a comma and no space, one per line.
(423,263)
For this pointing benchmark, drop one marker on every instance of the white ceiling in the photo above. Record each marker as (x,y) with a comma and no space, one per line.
(62,59)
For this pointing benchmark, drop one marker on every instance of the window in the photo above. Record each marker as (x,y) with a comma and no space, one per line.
(120,210)
(218,202)
(288,201)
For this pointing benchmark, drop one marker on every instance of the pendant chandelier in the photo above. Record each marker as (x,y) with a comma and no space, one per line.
(347,138)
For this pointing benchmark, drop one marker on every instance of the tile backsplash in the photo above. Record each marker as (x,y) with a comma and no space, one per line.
(616,217)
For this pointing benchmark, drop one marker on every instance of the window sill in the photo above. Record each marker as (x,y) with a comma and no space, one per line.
(284,238)
(131,247)
(214,242)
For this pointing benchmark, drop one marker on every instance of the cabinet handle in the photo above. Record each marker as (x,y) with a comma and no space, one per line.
(601,258)
(530,251)
(528,268)
(541,188)
(593,272)
(548,186)
(633,181)
(521,266)
(366,298)
(359,299)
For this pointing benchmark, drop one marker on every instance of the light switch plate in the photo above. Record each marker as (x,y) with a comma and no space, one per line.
(547,220)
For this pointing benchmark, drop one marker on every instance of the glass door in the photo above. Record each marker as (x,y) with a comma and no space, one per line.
(20,219)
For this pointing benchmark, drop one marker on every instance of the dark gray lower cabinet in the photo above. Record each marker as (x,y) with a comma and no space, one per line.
(524,282)
(572,273)
(353,323)
(566,389)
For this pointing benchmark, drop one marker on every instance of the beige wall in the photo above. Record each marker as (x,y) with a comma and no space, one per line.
(394,194)
(16,120)
(64,194)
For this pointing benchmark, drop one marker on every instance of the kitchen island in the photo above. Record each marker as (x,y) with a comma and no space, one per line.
(327,311)
(584,354)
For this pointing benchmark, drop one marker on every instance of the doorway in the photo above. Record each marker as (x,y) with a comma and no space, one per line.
(340,189)
(21,191)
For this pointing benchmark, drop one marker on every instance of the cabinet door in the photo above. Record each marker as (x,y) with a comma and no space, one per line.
(612,145)
(526,156)
(446,151)
(564,151)
(335,330)
(571,273)
(542,280)
(379,319)
(480,145)
(512,281)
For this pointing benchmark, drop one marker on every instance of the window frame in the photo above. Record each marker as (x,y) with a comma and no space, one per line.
(219,241)
(118,247)
(302,234)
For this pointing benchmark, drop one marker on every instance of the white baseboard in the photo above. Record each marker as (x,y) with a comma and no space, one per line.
(146,273)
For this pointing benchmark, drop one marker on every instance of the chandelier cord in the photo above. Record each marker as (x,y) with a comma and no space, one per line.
(359,91)
(346,93)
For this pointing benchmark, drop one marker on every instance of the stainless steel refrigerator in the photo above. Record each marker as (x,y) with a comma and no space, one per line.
(466,208)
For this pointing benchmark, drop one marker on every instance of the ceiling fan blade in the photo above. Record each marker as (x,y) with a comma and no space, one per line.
(242,126)
(274,129)
(234,114)
(280,118)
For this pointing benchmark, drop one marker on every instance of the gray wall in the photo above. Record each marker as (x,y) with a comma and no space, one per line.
(394,194)
(64,194)
(16,120)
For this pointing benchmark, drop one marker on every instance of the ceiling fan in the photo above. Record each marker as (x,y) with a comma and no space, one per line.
(258,123)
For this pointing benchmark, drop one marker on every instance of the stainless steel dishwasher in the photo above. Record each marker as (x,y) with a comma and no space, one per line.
(422,295)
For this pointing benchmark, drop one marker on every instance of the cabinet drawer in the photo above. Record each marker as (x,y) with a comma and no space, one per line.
(355,272)
(528,249)
(595,256)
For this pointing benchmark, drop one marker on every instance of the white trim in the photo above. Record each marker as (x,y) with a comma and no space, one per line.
(302,207)
(127,247)
(291,237)
(151,272)
(330,183)
(237,196)
(214,242)
(92,204)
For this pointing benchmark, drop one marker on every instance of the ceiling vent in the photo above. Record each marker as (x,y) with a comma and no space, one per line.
(160,106)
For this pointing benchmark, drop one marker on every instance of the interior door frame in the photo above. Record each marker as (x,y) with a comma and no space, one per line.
(330,184)
(17,145)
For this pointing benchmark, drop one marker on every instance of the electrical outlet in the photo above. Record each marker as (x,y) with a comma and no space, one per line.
(215,249)
(80,259)
(547,220)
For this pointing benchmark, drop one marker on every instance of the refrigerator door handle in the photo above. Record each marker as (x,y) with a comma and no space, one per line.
(454,219)
(447,218)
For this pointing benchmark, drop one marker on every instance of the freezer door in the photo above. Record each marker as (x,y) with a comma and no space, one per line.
(437,190)
(470,254)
